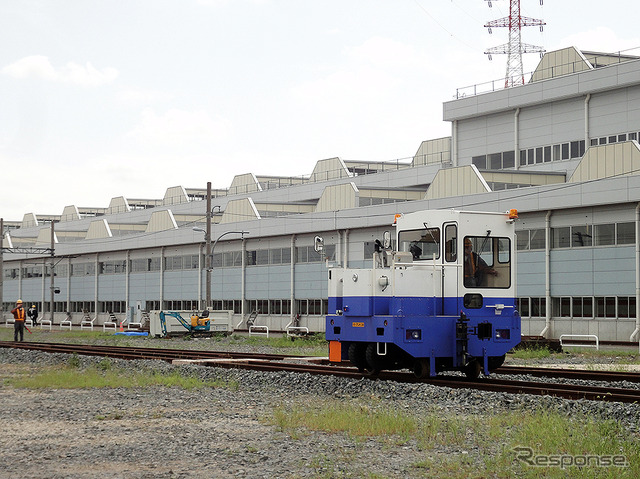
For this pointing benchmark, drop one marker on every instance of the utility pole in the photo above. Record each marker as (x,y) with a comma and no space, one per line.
(207,237)
(51,272)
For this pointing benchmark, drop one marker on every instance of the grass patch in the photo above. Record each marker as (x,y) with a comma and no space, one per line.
(312,345)
(357,420)
(496,445)
(588,354)
(105,375)
(622,356)
(532,353)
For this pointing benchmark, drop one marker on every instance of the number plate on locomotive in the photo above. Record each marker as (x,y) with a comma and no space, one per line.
(357,325)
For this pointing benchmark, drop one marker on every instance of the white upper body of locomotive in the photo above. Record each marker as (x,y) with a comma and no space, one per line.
(439,254)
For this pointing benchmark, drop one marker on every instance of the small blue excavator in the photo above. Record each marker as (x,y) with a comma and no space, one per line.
(199,321)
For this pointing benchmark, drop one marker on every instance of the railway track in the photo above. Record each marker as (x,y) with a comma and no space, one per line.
(319,366)
(585,374)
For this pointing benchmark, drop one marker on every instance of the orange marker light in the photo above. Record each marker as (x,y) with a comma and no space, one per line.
(513,214)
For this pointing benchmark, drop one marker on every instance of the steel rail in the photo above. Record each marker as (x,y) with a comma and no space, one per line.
(586,374)
(271,362)
(125,352)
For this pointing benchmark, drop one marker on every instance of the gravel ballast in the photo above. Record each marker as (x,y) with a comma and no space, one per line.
(226,432)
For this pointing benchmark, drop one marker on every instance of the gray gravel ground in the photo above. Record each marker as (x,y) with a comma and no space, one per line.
(165,432)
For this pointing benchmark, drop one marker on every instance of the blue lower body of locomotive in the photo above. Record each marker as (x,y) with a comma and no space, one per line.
(420,329)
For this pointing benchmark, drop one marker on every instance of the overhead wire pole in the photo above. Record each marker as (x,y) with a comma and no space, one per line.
(515,48)
(20,250)
(52,271)
(207,238)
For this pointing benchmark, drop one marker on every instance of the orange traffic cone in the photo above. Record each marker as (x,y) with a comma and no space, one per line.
(121,327)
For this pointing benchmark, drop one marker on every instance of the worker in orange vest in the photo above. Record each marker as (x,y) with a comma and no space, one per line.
(18,326)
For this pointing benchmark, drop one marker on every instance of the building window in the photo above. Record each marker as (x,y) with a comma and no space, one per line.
(83,269)
(172,263)
(480,162)
(605,235)
(561,237)
(538,307)
(626,307)
(152,305)
(275,307)
(626,233)
(307,254)
(581,236)
(575,149)
(539,158)
(301,306)
(530,156)
(262,257)
(605,307)
(112,267)
(495,161)
(302,254)
(530,239)
(286,306)
(561,307)
(315,307)
(508,159)
(275,256)
(230,259)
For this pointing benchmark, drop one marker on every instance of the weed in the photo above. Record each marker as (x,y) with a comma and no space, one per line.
(532,353)
(74,361)
(104,364)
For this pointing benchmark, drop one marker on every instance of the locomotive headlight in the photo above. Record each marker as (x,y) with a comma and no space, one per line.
(503,334)
(415,334)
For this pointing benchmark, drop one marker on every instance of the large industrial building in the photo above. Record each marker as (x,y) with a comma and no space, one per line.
(562,149)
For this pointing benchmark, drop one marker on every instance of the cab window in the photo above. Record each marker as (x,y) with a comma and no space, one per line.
(423,243)
(487,262)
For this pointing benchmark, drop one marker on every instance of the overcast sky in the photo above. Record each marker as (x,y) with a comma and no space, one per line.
(100,99)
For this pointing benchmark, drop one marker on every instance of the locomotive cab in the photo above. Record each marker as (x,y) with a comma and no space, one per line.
(443,299)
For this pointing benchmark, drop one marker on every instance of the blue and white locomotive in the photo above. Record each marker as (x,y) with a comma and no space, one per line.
(443,298)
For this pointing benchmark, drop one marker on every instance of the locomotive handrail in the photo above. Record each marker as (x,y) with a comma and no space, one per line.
(425,264)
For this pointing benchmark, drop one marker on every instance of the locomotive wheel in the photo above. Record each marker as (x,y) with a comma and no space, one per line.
(358,355)
(421,368)
(372,367)
(472,369)
(496,361)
